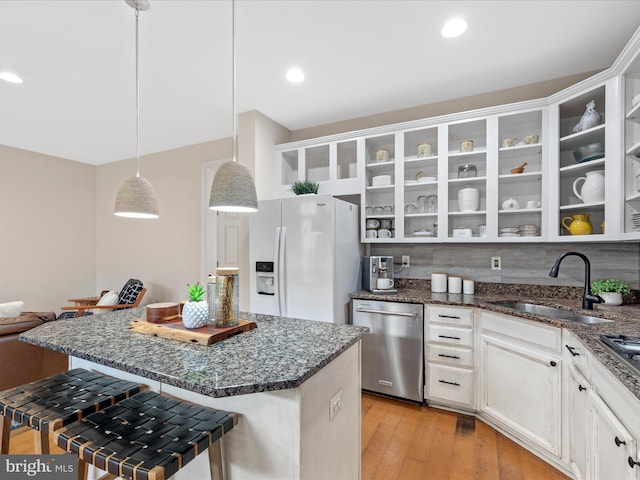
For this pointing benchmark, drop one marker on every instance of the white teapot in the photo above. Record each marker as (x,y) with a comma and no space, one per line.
(510,204)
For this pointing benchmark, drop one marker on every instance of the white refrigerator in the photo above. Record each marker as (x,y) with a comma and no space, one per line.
(305,257)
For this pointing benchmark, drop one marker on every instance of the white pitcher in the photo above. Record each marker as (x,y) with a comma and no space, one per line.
(593,187)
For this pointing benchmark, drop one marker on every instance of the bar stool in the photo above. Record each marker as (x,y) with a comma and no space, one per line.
(148,436)
(53,402)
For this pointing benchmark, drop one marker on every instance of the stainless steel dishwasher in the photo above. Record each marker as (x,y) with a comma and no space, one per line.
(393,350)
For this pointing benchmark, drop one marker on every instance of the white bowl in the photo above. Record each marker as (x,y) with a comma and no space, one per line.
(426,179)
(380,180)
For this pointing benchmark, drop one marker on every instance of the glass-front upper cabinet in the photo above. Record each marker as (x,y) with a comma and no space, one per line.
(520,178)
(631,109)
(466,175)
(420,183)
(582,165)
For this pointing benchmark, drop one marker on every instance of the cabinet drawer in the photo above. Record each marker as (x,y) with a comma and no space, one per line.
(455,316)
(452,355)
(450,383)
(450,335)
(527,331)
(575,352)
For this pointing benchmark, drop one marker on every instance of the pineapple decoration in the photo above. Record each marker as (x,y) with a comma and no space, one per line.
(195,313)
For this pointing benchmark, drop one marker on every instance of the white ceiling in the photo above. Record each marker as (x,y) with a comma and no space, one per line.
(361,57)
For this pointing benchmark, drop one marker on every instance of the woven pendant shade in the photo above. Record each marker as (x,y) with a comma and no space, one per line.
(137,199)
(233,189)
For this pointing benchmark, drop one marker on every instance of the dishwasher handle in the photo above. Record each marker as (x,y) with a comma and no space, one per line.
(386,312)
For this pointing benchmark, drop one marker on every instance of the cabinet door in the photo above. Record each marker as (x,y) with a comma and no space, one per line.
(613,445)
(579,424)
(521,391)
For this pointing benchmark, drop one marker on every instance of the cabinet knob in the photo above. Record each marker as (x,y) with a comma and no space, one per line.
(572,351)
(619,442)
(553,363)
(581,388)
(632,462)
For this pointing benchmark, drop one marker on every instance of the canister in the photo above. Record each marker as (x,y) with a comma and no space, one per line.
(455,284)
(439,282)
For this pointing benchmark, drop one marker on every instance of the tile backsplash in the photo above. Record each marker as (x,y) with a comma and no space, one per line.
(521,263)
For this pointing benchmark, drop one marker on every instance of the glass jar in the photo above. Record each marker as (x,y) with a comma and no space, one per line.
(422,203)
(467,171)
(211,297)
(227,298)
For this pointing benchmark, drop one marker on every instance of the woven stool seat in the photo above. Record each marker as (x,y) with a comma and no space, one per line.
(147,436)
(55,401)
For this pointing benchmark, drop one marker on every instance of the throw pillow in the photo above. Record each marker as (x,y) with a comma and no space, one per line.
(11,309)
(109,298)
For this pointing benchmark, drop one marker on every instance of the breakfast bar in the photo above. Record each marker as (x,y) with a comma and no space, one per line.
(295,384)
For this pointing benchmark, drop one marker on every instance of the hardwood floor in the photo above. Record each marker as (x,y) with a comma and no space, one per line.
(408,442)
(404,441)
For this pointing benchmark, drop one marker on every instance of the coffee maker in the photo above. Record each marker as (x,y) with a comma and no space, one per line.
(374,268)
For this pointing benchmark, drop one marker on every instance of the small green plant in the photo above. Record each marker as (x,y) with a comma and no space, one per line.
(610,285)
(307,186)
(196,291)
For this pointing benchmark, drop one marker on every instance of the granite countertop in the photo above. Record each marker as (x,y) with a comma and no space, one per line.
(281,353)
(626,317)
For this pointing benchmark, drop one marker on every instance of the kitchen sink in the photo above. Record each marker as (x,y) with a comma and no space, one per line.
(552,312)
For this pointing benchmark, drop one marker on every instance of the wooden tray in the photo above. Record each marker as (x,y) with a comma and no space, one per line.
(175,330)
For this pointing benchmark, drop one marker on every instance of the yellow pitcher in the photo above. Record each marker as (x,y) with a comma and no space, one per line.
(580,224)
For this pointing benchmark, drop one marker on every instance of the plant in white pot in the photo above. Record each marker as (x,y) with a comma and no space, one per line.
(610,290)
(195,313)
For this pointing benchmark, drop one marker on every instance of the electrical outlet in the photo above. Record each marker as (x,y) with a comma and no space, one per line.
(335,405)
(406,261)
(496,263)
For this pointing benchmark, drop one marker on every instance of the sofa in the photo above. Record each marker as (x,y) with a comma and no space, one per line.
(21,362)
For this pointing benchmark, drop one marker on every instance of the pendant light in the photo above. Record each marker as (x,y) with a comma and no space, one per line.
(233,189)
(136,197)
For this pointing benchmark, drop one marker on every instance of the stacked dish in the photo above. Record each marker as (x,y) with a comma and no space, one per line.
(528,230)
(509,232)
(635,220)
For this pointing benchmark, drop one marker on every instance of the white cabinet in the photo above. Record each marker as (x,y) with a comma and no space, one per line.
(631,184)
(520,379)
(613,445)
(450,356)
(579,423)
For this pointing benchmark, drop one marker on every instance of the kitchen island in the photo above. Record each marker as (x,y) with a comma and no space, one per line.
(281,377)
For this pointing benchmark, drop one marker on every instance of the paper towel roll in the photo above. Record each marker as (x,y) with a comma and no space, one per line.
(455,284)
(439,282)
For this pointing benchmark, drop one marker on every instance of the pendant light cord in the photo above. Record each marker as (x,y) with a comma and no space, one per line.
(233,70)
(137,102)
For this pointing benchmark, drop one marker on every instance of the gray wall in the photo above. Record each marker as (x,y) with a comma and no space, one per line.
(521,263)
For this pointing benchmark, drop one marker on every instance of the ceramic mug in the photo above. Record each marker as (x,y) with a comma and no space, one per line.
(373,223)
(384,283)
(384,233)
(466,146)
(529,139)
(533,204)
(509,142)
(424,150)
(382,155)
(372,233)
(385,224)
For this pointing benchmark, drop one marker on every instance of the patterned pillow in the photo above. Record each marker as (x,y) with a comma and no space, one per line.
(130,292)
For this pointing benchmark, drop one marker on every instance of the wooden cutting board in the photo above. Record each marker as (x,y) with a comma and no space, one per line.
(175,330)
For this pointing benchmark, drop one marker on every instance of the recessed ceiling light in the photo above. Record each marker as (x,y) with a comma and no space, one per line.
(295,75)
(454,28)
(10,77)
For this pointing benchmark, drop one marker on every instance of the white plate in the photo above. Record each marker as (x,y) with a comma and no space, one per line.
(509,235)
(509,230)
(410,182)
(422,234)
(426,179)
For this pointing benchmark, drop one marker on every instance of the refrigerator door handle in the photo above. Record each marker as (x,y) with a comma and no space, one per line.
(276,262)
(282,298)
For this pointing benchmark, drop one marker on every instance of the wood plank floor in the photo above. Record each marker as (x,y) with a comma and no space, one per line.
(409,442)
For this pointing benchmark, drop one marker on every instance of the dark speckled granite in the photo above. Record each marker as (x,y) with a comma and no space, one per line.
(281,353)
(626,317)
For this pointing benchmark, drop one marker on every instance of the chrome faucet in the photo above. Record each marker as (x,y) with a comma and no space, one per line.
(588,299)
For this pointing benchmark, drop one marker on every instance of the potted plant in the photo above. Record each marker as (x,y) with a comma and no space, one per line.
(610,290)
(306,187)
(195,313)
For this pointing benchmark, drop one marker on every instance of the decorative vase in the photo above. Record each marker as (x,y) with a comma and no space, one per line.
(593,187)
(611,298)
(195,314)
(580,224)
(227,299)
